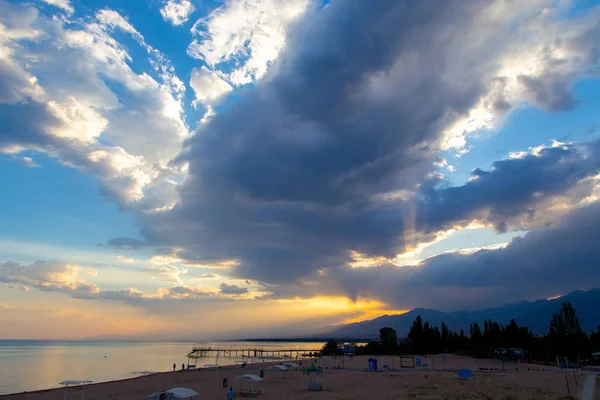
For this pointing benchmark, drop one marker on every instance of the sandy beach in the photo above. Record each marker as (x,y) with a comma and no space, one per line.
(517,382)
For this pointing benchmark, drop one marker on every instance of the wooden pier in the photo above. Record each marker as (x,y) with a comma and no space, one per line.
(200,351)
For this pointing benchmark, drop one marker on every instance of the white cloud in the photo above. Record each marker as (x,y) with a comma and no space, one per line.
(64,4)
(47,276)
(548,53)
(167,273)
(208,85)
(25,161)
(250,33)
(141,124)
(177,11)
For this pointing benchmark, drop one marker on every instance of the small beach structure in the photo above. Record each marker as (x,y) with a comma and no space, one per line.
(464,373)
(316,384)
(74,383)
(174,394)
(292,365)
(252,378)
(372,364)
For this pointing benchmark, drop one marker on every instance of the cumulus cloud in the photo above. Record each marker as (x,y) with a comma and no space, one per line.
(333,152)
(518,192)
(167,273)
(208,85)
(65,278)
(47,276)
(24,161)
(141,123)
(543,262)
(63,4)
(177,11)
(249,33)
(227,288)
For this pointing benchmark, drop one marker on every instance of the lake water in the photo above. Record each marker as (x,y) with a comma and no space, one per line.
(33,365)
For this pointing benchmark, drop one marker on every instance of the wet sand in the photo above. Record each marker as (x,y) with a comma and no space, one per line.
(350,383)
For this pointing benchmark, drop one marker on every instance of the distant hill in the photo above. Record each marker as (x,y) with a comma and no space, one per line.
(535,315)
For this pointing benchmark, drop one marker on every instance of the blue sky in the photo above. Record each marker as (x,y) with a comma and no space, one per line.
(230,155)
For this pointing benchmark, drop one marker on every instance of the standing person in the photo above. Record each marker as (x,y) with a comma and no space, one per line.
(174,366)
(231,394)
(182,367)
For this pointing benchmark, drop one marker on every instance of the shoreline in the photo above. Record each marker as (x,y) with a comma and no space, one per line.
(352,382)
(225,367)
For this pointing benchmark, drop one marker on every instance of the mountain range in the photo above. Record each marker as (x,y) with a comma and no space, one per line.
(536,315)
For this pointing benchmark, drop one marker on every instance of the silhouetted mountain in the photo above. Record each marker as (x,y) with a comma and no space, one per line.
(535,315)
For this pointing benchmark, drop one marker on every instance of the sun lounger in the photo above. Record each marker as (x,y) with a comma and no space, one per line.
(314,385)
(249,393)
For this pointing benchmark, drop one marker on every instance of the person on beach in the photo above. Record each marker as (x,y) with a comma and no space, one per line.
(182,367)
(231,394)
(174,366)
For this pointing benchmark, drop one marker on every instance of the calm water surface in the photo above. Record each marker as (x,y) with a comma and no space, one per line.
(33,365)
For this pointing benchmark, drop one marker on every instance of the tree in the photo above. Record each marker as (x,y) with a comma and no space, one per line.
(565,332)
(331,347)
(475,337)
(388,338)
(416,335)
(445,336)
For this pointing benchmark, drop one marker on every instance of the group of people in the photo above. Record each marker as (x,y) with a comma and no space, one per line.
(175,366)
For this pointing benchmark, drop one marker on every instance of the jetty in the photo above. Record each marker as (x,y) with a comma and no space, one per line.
(200,351)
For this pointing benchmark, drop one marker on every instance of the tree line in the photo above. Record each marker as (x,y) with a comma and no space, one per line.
(564,338)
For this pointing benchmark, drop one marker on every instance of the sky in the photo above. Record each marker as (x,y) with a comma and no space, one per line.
(238,168)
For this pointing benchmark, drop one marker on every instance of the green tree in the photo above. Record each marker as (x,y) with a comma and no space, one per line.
(416,335)
(476,337)
(565,332)
(388,338)
(331,347)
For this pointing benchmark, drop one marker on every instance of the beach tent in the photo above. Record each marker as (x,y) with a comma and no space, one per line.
(252,378)
(174,394)
(74,383)
(313,385)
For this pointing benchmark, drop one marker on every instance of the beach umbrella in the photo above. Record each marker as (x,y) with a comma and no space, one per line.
(67,383)
(176,393)
(250,377)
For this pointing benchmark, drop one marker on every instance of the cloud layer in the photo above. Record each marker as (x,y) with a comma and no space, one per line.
(333,152)
(325,168)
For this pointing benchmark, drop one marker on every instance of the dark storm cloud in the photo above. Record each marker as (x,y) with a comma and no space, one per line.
(545,262)
(330,153)
(512,187)
(284,179)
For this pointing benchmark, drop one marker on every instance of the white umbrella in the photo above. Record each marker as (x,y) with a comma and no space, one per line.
(67,383)
(176,393)
(292,365)
(251,378)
